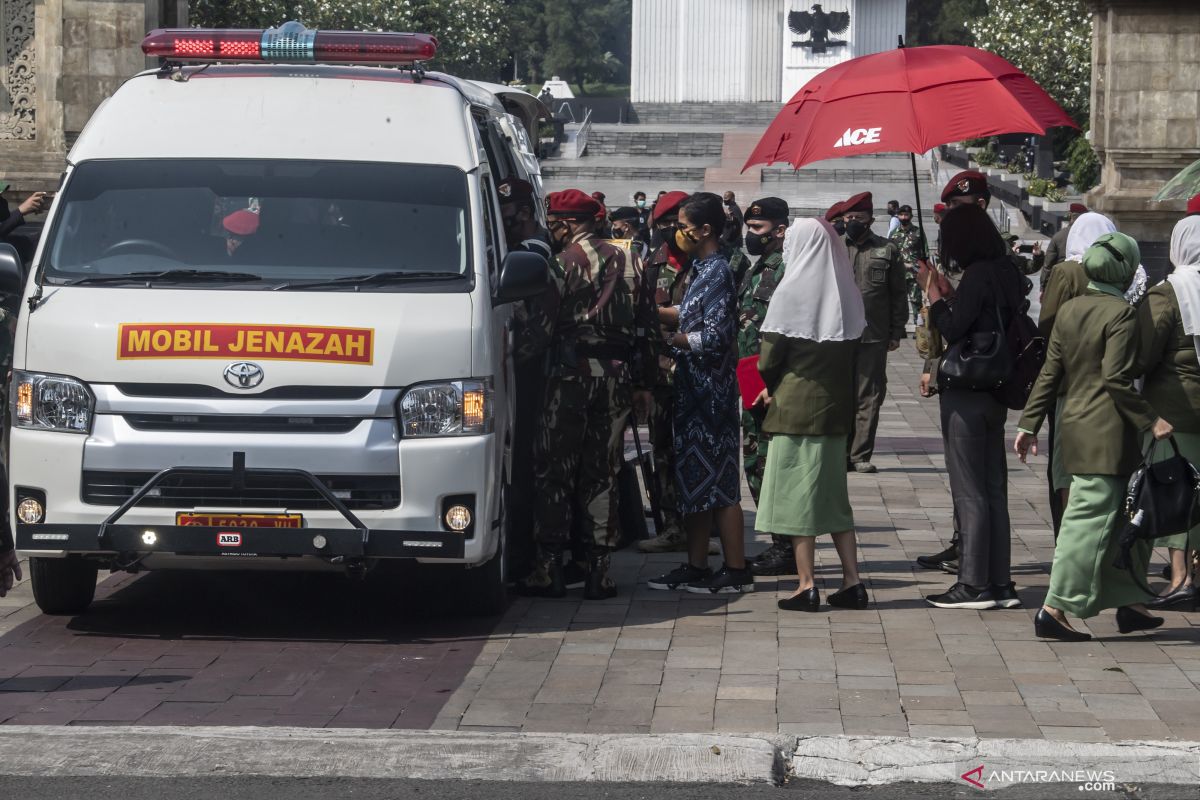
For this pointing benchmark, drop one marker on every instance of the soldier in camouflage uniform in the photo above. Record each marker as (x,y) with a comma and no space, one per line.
(585,329)
(766,224)
(907,238)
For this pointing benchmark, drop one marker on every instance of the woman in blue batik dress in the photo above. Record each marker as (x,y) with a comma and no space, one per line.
(706,416)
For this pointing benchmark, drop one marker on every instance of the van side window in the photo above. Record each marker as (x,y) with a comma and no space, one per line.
(491,235)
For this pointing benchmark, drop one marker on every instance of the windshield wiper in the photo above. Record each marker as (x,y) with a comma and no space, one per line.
(370,278)
(169,275)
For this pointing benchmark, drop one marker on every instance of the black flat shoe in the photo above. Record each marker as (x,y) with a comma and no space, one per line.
(1182,599)
(936,560)
(1047,627)
(1129,620)
(808,600)
(851,597)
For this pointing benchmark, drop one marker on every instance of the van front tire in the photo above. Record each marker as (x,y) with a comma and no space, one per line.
(485,588)
(63,585)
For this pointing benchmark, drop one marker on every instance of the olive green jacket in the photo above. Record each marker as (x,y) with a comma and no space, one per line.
(1067,280)
(879,273)
(1170,363)
(1056,253)
(1092,360)
(811,385)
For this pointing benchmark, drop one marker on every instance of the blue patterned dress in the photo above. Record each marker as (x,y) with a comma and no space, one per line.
(707,436)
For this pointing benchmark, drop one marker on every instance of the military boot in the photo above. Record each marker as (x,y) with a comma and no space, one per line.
(599,585)
(674,540)
(546,579)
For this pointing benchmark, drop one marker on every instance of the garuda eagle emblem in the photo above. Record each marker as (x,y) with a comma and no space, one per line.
(819,23)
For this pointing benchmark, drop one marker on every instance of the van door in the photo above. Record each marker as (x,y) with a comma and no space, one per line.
(502,318)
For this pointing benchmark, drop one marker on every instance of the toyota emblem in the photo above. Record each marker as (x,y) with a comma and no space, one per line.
(243,375)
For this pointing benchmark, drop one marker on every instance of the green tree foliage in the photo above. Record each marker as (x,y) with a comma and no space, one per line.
(472,34)
(942,21)
(579,34)
(1049,40)
(1083,164)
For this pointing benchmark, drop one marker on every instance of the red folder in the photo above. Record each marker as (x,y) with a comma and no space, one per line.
(749,380)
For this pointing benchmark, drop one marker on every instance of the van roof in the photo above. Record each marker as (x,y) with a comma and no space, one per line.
(338,113)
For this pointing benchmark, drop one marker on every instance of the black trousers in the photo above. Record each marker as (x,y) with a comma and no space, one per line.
(973,428)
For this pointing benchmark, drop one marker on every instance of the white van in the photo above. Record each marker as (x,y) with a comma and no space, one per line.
(269,322)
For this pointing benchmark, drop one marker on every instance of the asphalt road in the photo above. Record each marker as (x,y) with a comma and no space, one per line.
(335,789)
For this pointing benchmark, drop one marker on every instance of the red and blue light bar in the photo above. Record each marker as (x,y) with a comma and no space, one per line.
(289,43)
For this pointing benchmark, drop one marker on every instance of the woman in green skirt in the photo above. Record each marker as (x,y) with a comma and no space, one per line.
(1172,386)
(807,362)
(1093,360)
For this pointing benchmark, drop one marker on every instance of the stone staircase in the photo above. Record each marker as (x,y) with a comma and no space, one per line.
(652,140)
(747,114)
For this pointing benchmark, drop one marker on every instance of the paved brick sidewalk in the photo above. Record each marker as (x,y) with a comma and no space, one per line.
(661,662)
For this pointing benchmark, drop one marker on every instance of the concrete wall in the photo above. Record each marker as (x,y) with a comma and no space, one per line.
(688,51)
(1145,107)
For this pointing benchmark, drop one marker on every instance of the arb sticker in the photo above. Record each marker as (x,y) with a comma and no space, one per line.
(232,341)
(227,539)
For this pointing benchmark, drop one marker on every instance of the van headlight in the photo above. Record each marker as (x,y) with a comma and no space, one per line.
(51,403)
(452,408)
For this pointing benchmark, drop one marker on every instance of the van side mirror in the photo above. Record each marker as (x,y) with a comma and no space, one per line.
(522,275)
(12,276)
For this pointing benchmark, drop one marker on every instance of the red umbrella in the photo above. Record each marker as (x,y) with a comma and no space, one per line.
(910,99)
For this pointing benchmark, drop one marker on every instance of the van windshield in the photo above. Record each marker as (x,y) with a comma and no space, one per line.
(266,223)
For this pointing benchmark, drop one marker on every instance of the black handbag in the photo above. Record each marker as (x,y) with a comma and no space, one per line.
(1161,501)
(979,361)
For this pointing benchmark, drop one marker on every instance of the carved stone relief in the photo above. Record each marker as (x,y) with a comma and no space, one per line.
(17,80)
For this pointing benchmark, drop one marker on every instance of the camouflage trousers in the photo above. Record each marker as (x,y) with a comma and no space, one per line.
(915,295)
(576,456)
(662,440)
(754,451)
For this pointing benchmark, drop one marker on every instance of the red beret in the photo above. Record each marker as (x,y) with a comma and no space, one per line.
(835,211)
(241,223)
(967,182)
(667,204)
(514,190)
(1193,206)
(859,202)
(599,198)
(938,208)
(1078,208)
(572,203)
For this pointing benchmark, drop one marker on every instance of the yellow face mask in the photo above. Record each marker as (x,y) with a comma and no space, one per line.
(684,242)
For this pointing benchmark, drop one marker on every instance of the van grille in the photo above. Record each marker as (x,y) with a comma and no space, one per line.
(241,423)
(189,390)
(215,490)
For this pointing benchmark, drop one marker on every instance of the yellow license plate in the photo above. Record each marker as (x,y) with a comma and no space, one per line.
(222,520)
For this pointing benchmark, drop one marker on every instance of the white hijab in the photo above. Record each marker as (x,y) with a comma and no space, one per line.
(1084,233)
(1185,280)
(817,298)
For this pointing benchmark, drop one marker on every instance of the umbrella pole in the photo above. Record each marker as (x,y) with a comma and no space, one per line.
(920,216)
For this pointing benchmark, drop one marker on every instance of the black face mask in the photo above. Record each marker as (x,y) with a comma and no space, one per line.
(855,229)
(756,244)
(661,236)
(840,227)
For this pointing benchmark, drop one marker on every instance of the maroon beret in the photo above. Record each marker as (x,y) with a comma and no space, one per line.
(669,203)
(572,203)
(966,182)
(859,202)
(1078,208)
(835,211)
(1193,206)
(241,223)
(938,208)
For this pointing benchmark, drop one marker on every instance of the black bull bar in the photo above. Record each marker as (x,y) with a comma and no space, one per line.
(356,542)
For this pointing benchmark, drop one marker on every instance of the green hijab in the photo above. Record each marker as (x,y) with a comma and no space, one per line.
(1112,259)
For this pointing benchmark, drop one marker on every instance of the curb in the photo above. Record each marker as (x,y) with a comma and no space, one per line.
(175,752)
(172,752)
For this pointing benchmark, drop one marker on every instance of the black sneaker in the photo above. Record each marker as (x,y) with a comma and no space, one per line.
(962,596)
(1006,596)
(778,559)
(725,581)
(936,560)
(575,573)
(679,577)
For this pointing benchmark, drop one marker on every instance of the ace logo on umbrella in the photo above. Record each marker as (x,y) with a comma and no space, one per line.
(854,136)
